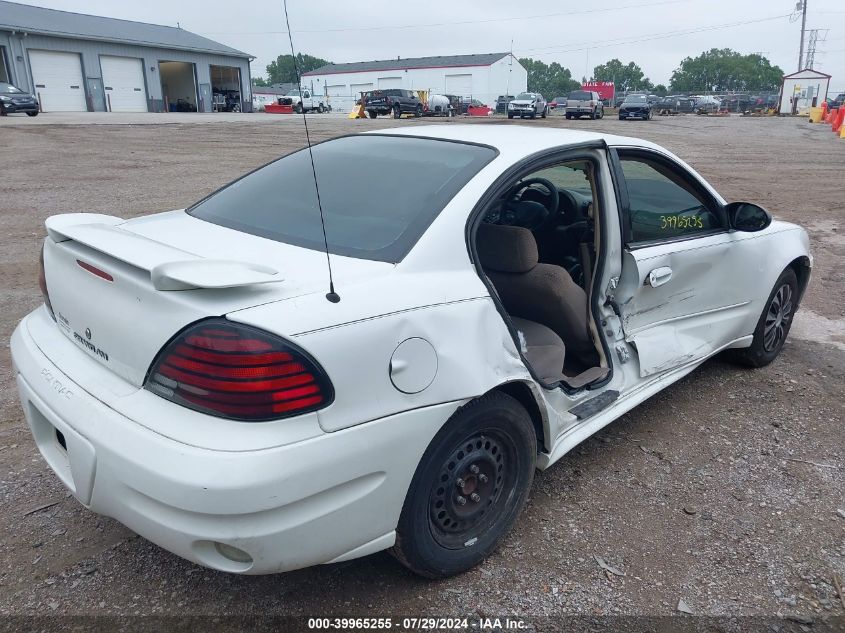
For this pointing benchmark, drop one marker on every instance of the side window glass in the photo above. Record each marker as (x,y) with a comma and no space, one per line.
(662,205)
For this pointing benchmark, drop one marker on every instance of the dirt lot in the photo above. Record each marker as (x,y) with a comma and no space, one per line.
(727,493)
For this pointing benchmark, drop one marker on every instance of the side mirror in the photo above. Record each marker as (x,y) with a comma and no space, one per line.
(748,217)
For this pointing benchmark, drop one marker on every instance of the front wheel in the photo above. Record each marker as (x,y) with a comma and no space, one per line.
(298,108)
(372,114)
(32,113)
(468,489)
(510,116)
(320,108)
(397,112)
(650,116)
(774,324)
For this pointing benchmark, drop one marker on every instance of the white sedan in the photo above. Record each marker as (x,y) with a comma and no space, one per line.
(499,295)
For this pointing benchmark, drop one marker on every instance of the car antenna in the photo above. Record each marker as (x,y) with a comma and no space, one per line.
(331,295)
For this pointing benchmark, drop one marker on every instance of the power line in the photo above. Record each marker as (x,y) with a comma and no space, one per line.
(459,23)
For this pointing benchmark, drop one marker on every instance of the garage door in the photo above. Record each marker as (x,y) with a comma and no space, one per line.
(460,85)
(357,89)
(337,91)
(389,82)
(58,81)
(123,80)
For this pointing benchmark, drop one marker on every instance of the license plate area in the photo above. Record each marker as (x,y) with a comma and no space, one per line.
(69,454)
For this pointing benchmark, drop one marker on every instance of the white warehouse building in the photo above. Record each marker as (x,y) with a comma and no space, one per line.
(483,77)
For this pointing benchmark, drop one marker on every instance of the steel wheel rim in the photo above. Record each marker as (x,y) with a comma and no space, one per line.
(778,317)
(473,486)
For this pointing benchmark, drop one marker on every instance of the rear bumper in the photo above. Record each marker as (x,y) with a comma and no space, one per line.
(333,497)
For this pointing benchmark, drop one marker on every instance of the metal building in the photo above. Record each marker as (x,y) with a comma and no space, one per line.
(483,77)
(77,63)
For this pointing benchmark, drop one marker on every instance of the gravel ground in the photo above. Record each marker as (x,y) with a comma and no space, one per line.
(727,492)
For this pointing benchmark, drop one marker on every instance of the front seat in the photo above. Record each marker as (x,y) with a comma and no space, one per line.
(543,293)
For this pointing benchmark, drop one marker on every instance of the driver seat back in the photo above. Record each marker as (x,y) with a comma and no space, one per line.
(543,293)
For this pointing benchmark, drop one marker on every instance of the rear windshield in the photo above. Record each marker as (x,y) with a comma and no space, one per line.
(379,194)
(580,95)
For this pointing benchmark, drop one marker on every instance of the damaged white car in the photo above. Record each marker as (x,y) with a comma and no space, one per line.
(499,294)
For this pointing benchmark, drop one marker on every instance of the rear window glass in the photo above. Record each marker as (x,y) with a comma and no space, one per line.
(580,95)
(379,194)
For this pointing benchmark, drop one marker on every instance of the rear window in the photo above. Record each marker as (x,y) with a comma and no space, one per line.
(379,194)
(580,95)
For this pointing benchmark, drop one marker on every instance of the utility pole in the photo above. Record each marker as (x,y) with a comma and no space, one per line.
(803,5)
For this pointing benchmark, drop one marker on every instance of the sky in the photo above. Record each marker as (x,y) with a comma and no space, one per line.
(656,34)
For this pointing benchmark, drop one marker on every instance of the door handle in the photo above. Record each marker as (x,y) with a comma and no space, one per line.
(659,276)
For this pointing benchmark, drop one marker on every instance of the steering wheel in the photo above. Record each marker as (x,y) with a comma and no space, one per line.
(549,199)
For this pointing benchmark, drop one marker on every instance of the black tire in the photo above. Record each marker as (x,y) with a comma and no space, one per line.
(545,112)
(32,113)
(372,114)
(533,114)
(774,324)
(320,108)
(649,116)
(594,115)
(510,116)
(488,447)
(601,113)
(621,118)
(297,108)
(419,111)
(568,117)
(397,111)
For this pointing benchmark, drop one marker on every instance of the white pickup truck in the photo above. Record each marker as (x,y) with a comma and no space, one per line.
(303,101)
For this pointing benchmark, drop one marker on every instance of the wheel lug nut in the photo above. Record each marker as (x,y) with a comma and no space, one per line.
(474,496)
(473,469)
(482,478)
(461,500)
(460,482)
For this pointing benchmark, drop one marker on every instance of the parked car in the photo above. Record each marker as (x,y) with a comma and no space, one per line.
(502,102)
(686,104)
(837,102)
(528,104)
(189,375)
(705,104)
(668,106)
(14,100)
(395,101)
(584,103)
(636,107)
(557,103)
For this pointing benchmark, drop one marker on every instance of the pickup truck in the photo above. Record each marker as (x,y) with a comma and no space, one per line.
(584,102)
(394,101)
(303,101)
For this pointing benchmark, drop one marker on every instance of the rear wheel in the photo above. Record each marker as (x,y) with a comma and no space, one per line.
(468,489)
(320,108)
(372,114)
(419,111)
(32,113)
(545,112)
(397,112)
(594,115)
(774,324)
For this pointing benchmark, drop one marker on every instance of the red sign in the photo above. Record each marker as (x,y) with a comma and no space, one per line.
(606,89)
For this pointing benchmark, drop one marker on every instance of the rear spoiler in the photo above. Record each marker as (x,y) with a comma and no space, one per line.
(170,268)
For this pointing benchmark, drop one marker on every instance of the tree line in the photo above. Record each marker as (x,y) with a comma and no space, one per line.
(719,70)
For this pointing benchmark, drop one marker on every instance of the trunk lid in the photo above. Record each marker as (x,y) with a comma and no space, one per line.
(121,290)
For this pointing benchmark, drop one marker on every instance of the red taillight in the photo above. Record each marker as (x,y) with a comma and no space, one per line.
(42,283)
(239,372)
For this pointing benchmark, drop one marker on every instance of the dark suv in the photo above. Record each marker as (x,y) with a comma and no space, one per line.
(393,100)
(15,100)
